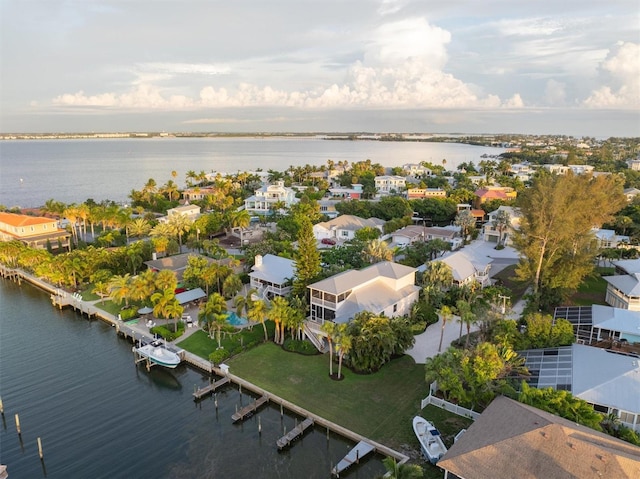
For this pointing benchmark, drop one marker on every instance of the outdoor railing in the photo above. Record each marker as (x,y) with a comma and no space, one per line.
(448,406)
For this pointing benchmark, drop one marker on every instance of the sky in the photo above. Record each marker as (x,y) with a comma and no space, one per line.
(431,66)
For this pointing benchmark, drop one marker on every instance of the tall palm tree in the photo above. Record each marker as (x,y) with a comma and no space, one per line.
(279,313)
(329,328)
(257,313)
(179,224)
(166,279)
(401,471)
(139,227)
(162,302)
(343,345)
(120,288)
(215,305)
(445,315)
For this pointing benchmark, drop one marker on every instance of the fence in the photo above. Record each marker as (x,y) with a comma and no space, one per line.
(447,406)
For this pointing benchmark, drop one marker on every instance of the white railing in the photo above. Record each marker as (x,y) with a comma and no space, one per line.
(448,406)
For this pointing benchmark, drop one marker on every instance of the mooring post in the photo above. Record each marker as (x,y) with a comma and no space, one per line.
(281,411)
(215,399)
(1,407)
(259,426)
(18,424)
(40,449)
(357,456)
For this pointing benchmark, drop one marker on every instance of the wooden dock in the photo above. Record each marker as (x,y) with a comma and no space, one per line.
(294,434)
(202,392)
(353,457)
(249,410)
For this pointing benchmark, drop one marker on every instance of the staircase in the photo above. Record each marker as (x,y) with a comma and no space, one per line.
(312,331)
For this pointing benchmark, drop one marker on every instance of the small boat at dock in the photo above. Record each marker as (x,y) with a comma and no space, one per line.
(430,439)
(158,354)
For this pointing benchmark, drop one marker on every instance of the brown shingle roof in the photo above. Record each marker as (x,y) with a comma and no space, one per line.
(511,439)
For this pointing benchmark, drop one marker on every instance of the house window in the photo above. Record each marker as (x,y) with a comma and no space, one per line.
(627,417)
(395,308)
(344,233)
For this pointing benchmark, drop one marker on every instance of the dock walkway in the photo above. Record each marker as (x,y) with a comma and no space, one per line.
(296,432)
(250,409)
(211,388)
(353,457)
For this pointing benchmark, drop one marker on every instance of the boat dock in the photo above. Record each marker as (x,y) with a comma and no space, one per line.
(358,452)
(249,409)
(294,434)
(211,388)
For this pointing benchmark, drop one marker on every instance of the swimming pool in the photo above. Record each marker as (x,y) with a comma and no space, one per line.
(234,320)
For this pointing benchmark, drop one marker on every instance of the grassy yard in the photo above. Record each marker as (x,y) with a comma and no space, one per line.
(201,345)
(508,278)
(380,406)
(592,290)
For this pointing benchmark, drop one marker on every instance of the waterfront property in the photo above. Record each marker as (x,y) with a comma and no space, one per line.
(389,184)
(191,212)
(491,232)
(269,198)
(271,275)
(34,231)
(383,288)
(414,233)
(510,438)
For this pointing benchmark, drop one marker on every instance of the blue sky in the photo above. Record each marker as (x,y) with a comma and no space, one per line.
(491,66)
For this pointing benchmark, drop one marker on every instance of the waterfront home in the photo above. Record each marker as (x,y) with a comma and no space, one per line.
(511,439)
(389,184)
(34,231)
(344,227)
(268,198)
(623,288)
(383,288)
(417,170)
(176,263)
(608,380)
(198,193)
(467,269)
(492,234)
(271,275)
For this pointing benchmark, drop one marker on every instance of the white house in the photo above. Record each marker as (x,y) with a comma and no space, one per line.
(491,233)
(188,211)
(272,275)
(389,184)
(623,288)
(609,381)
(383,288)
(266,197)
(417,170)
(467,269)
(413,233)
(609,238)
(343,228)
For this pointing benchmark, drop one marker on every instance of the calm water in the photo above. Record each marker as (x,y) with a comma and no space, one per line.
(73,383)
(71,171)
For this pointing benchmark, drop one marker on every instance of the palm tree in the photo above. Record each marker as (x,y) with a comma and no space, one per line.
(231,285)
(120,288)
(139,227)
(279,313)
(401,471)
(179,224)
(378,250)
(501,222)
(162,303)
(257,313)
(166,279)
(343,345)
(445,315)
(329,328)
(215,305)
(174,310)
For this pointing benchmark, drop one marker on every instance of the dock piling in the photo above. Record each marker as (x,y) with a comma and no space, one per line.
(40,453)
(1,407)
(259,426)
(18,425)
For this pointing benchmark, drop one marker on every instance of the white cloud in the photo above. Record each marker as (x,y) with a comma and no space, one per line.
(514,102)
(555,93)
(622,66)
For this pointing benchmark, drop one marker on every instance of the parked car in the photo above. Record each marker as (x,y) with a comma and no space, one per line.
(330,241)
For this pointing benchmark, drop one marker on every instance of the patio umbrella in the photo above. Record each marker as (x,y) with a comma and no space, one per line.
(145,310)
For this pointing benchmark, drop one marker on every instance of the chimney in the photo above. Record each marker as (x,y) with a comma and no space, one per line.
(258,260)
(154,256)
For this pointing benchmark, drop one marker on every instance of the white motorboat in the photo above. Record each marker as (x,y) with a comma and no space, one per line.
(430,439)
(158,354)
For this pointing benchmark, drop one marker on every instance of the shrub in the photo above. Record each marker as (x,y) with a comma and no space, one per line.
(298,346)
(218,356)
(419,327)
(165,333)
(129,313)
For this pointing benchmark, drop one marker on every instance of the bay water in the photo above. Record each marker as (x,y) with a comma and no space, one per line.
(74,384)
(71,171)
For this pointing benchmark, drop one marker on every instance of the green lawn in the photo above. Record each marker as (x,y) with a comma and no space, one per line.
(201,345)
(508,278)
(591,291)
(380,406)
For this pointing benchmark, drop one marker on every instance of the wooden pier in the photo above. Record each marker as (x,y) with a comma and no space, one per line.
(353,457)
(294,434)
(202,392)
(249,410)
